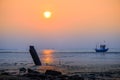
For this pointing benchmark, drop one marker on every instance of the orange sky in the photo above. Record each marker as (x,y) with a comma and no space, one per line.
(73,22)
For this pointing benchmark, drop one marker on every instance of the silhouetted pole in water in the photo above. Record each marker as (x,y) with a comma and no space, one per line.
(34,56)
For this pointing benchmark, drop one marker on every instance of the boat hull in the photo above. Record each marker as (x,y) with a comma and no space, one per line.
(101,50)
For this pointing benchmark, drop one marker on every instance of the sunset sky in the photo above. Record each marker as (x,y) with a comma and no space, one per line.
(73,25)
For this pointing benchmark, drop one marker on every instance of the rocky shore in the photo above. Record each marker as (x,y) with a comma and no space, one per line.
(29,74)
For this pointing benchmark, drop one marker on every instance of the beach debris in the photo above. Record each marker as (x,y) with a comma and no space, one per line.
(34,56)
(52,72)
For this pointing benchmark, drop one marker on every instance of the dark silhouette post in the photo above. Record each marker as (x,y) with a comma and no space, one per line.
(34,56)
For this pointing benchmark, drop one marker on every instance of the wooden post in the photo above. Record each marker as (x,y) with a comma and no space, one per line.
(34,56)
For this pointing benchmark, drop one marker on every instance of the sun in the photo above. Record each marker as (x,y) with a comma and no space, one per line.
(47,14)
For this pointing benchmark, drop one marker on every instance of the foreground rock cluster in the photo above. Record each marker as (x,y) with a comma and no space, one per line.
(56,75)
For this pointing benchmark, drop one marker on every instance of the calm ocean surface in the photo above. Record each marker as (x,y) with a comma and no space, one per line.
(67,58)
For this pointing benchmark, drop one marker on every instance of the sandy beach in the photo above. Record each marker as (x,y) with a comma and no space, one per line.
(98,72)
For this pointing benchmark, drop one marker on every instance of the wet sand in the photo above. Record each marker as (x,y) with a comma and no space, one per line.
(68,69)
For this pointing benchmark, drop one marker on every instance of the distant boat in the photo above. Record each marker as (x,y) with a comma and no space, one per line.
(102,48)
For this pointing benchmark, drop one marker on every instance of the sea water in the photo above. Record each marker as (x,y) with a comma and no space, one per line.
(67,58)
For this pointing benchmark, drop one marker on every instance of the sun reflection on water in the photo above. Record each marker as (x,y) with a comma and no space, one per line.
(48,56)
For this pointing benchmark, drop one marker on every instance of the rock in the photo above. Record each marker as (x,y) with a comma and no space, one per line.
(35,75)
(63,77)
(54,73)
(5,73)
(32,71)
(22,69)
(76,77)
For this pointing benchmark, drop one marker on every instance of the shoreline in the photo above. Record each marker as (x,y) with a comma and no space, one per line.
(65,68)
(35,73)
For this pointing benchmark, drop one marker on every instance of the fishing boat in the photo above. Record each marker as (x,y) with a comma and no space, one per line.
(102,48)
